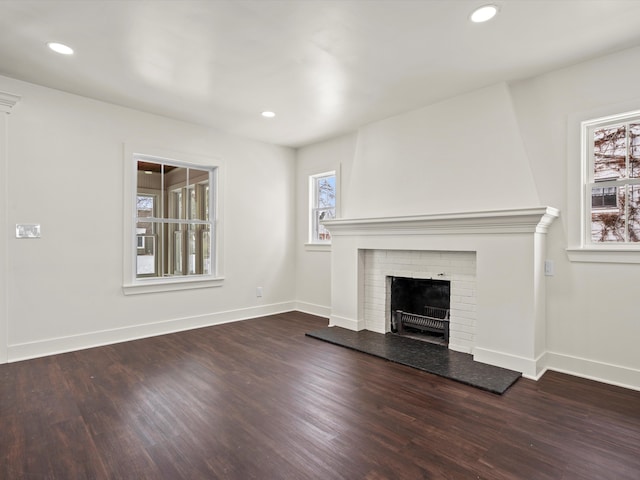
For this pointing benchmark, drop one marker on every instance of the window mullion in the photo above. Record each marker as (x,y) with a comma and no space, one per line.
(588,145)
(161,249)
(162,235)
(626,187)
(626,213)
(186,202)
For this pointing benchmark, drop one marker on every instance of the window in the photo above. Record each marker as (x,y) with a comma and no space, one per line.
(171,233)
(612,161)
(322,200)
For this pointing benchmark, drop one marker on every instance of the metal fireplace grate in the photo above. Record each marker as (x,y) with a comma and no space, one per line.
(434,320)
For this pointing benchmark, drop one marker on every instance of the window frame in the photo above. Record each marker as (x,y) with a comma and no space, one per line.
(132,284)
(313,207)
(579,175)
(588,160)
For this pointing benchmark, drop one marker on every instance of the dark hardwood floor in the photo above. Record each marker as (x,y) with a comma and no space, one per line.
(259,400)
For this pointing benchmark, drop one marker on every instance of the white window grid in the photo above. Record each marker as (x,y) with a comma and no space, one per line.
(318,234)
(162,221)
(622,184)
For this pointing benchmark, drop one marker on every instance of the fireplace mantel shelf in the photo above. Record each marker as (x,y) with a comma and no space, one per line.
(521,220)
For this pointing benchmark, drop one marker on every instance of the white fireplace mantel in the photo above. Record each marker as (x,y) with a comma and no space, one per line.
(510,250)
(521,220)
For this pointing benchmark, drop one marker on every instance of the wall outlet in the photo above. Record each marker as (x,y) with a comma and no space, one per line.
(549,268)
(28,230)
(258,292)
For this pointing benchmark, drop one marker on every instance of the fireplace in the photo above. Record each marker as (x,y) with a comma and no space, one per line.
(420,308)
(419,269)
(493,259)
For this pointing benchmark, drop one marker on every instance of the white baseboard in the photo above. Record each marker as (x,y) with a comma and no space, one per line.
(349,323)
(593,370)
(527,366)
(534,369)
(53,346)
(531,368)
(313,309)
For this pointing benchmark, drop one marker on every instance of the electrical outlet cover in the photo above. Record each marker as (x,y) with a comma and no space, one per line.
(27,230)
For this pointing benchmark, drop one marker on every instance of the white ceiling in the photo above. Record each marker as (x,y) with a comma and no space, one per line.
(325,67)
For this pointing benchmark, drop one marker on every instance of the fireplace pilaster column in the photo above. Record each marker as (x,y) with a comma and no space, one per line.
(346,294)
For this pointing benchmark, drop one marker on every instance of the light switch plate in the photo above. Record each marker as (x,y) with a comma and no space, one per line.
(28,230)
(549,268)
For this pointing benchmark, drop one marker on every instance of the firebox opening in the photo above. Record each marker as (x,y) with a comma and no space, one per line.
(420,308)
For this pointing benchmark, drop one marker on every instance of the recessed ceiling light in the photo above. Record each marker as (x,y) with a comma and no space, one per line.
(60,48)
(484,13)
(268,114)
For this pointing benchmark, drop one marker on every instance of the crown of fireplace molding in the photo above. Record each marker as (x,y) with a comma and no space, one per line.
(8,101)
(520,220)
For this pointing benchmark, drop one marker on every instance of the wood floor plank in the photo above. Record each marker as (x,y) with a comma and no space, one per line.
(259,400)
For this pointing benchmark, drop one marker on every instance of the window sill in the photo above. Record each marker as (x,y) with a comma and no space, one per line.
(170,285)
(317,247)
(604,255)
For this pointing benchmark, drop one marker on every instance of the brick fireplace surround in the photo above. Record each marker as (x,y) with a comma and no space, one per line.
(494,260)
(459,268)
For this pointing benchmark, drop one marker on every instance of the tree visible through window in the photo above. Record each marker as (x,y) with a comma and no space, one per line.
(614,181)
(323,205)
(174,228)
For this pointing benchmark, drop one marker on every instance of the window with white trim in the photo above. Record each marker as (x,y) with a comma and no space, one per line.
(611,159)
(174,221)
(173,225)
(322,205)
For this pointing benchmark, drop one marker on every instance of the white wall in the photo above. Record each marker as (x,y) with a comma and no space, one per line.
(458,155)
(424,161)
(593,323)
(420,162)
(313,264)
(65,171)
(507,146)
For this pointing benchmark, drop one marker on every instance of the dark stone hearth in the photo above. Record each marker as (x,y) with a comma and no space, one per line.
(425,356)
